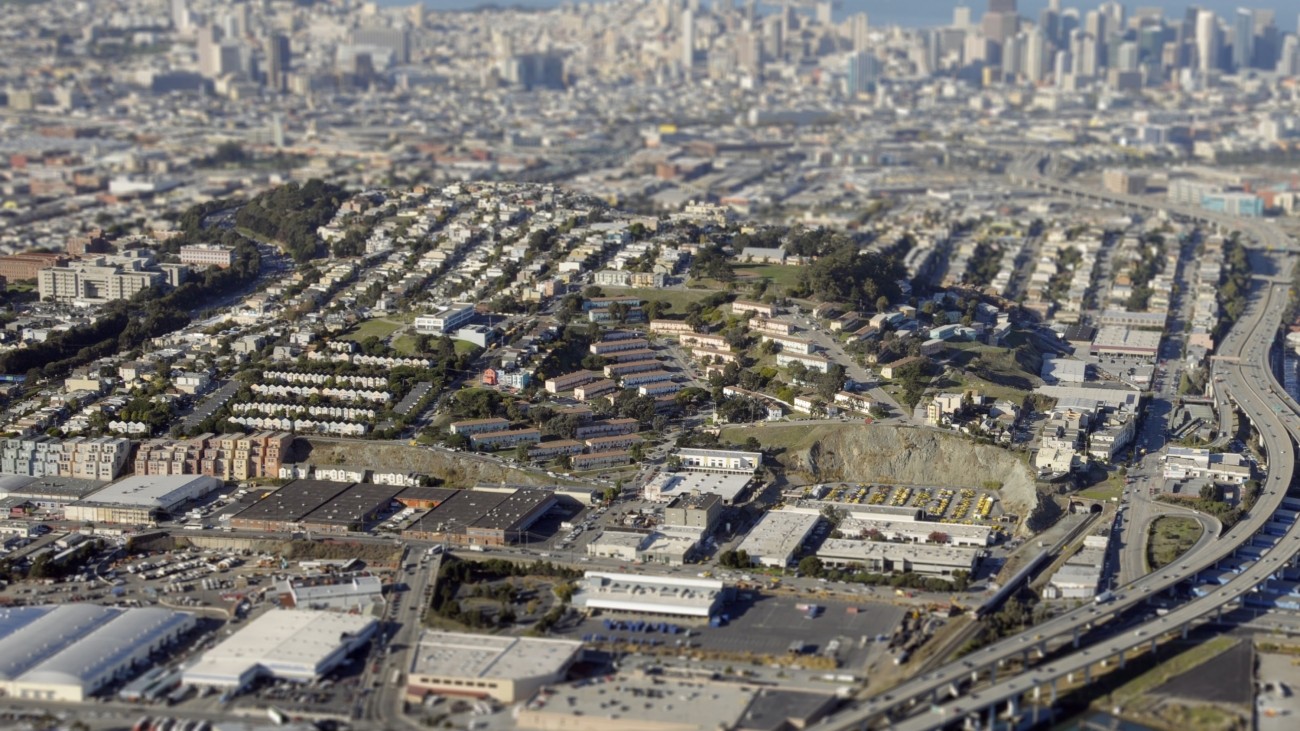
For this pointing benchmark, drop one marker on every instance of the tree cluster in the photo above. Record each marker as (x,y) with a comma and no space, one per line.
(290,215)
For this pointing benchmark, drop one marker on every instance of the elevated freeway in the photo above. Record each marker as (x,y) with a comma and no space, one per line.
(972,686)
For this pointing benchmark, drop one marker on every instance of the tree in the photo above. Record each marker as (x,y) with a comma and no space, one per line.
(937,536)
(810,566)
(1210,492)
(521,452)
(610,494)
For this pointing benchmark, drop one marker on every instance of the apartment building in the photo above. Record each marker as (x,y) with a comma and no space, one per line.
(478,426)
(97,281)
(100,458)
(503,439)
(226,457)
(208,255)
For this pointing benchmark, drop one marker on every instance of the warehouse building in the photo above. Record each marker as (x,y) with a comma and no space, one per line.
(508,669)
(1115,341)
(48,493)
(298,646)
(424,498)
(882,557)
(483,517)
(283,510)
(672,701)
(141,499)
(355,509)
(339,593)
(69,652)
(777,536)
(644,594)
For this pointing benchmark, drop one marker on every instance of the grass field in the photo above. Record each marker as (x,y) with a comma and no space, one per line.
(464,346)
(1170,538)
(679,299)
(1107,490)
(405,344)
(379,327)
(781,275)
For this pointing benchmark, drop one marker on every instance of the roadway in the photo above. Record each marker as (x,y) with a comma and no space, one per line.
(1246,376)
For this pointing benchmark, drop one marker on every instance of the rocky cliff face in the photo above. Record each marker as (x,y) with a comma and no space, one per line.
(911,456)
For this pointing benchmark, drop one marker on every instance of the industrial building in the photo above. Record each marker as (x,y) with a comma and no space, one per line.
(777,536)
(355,509)
(141,498)
(298,646)
(424,498)
(50,493)
(883,557)
(666,486)
(284,509)
(661,702)
(644,594)
(508,669)
(339,593)
(69,652)
(486,517)
(1116,341)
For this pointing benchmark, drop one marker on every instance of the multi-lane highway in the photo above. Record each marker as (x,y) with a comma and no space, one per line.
(1242,371)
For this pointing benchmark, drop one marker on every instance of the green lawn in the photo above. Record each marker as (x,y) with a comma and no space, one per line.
(379,327)
(405,344)
(1107,490)
(464,346)
(782,275)
(678,298)
(1171,537)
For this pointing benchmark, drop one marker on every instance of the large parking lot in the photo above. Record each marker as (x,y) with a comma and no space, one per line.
(966,506)
(764,624)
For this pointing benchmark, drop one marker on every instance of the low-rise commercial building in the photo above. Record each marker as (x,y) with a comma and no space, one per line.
(297,646)
(720,460)
(507,669)
(884,557)
(777,536)
(338,593)
(141,499)
(645,594)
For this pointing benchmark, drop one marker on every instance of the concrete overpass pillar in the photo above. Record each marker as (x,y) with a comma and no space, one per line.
(1042,650)
(993,673)
(1121,659)
(1038,693)
(1153,644)
(1053,696)
(1185,628)
(1087,674)
(1025,664)
(1076,638)
(975,676)
(1218,613)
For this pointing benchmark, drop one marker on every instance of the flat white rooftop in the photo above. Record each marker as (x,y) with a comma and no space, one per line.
(280,641)
(459,655)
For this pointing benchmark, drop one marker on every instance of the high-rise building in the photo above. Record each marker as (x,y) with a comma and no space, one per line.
(859,31)
(1035,64)
(961,16)
(181,19)
(1288,62)
(1208,41)
(1243,39)
(1002,6)
(1013,50)
(1095,24)
(825,13)
(863,70)
(277,61)
(688,39)
(1126,58)
(209,50)
(395,40)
